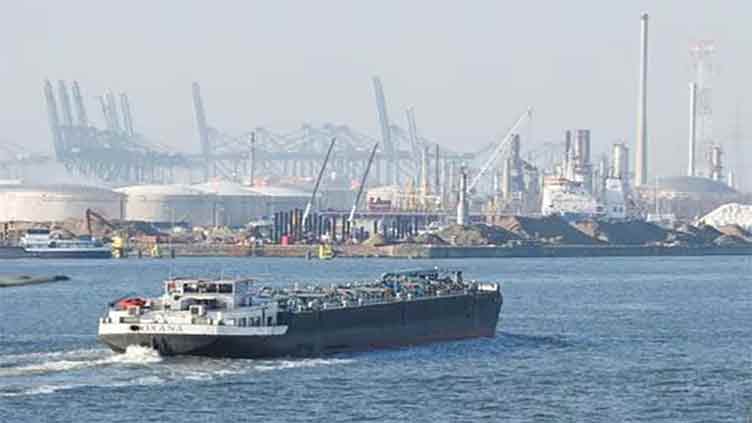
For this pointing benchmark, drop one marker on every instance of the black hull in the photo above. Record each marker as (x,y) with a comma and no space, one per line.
(341,330)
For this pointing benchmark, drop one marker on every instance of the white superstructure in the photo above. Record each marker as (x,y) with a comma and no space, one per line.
(569,200)
(196,307)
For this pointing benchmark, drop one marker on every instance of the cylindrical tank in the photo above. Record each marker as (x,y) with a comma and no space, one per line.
(234,204)
(168,203)
(54,203)
(281,199)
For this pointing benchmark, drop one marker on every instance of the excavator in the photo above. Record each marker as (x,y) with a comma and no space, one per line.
(118,237)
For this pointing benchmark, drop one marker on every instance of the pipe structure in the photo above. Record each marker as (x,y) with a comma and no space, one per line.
(362,184)
(641,159)
(318,181)
(692,127)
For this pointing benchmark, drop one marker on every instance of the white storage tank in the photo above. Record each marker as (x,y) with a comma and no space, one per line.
(55,203)
(168,203)
(234,204)
(279,199)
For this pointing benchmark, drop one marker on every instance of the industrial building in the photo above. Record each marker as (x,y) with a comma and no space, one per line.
(686,197)
(56,203)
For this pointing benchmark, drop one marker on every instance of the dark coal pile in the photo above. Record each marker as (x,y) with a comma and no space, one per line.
(630,232)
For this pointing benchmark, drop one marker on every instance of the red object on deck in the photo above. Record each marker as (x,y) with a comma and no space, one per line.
(131,302)
(285,240)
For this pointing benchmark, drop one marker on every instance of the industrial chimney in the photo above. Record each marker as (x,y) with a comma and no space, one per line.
(641,159)
(462,203)
(692,127)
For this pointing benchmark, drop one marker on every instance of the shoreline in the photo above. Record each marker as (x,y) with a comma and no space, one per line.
(416,251)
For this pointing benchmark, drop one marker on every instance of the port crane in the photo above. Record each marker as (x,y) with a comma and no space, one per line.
(500,148)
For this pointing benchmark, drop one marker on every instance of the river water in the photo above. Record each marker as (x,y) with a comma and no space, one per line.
(590,339)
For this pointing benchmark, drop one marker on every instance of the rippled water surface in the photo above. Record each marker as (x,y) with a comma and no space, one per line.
(606,339)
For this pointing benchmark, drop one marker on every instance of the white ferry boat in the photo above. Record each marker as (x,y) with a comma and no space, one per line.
(39,243)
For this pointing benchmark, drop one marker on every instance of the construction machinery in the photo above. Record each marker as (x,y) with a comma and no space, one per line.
(119,237)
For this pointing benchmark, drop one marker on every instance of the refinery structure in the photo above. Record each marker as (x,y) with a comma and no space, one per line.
(335,181)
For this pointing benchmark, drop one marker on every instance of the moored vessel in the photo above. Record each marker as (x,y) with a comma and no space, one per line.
(239,318)
(39,243)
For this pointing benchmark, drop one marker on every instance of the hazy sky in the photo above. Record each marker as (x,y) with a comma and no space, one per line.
(469,68)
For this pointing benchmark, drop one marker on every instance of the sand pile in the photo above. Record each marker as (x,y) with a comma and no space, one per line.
(375,240)
(477,234)
(736,231)
(429,239)
(550,229)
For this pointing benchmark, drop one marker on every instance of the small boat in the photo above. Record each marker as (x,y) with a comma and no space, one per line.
(39,243)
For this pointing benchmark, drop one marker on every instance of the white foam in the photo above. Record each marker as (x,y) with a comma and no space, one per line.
(37,390)
(84,359)
(303,363)
(51,389)
(136,354)
(40,356)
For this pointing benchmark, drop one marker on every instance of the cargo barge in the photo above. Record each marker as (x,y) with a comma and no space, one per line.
(239,319)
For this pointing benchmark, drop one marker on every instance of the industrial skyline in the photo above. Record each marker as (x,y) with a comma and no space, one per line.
(466,75)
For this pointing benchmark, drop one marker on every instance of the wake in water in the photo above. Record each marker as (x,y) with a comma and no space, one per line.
(50,372)
(75,360)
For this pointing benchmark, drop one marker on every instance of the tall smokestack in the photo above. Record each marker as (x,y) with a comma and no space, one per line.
(692,127)
(462,203)
(641,159)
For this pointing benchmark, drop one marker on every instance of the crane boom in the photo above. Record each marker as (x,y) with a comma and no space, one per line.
(318,181)
(500,147)
(362,184)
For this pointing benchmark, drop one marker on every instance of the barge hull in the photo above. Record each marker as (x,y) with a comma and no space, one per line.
(353,329)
